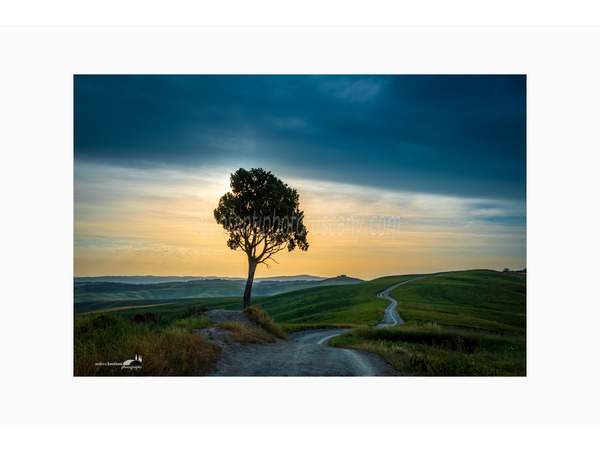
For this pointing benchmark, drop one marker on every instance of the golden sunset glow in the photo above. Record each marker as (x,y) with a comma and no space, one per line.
(160,222)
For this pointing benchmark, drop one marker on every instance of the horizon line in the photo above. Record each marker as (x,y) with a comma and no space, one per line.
(282,276)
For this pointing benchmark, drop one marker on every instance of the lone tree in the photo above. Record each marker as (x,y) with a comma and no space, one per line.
(261,215)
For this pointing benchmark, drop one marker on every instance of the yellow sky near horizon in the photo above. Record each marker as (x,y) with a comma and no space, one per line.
(158,221)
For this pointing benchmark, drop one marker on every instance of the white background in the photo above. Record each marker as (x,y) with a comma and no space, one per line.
(36,85)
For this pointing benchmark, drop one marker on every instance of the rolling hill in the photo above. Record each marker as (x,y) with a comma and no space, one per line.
(152,279)
(209,288)
(477,299)
(333,302)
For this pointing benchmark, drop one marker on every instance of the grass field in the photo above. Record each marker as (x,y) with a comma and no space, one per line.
(478,299)
(468,323)
(168,308)
(355,304)
(168,346)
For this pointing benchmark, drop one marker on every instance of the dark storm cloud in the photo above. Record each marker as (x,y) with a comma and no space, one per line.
(455,135)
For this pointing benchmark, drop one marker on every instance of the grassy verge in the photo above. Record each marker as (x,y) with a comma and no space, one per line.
(435,350)
(168,347)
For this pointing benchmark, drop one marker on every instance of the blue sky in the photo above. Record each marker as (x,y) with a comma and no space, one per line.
(460,135)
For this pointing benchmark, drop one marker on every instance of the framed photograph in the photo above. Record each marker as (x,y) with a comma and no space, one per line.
(300,225)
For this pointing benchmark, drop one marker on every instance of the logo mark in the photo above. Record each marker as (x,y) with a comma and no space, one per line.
(133,363)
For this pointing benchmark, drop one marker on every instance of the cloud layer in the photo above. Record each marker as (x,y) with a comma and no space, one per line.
(451,135)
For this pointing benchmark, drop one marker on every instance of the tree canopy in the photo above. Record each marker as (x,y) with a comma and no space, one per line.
(261,215)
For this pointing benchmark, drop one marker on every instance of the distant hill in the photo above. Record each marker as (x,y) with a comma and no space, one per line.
(208,288)
(126,288)
(341,279)
(291,278)
(150,279)
(146,279)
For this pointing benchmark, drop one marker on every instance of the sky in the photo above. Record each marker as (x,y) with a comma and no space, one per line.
(396,174)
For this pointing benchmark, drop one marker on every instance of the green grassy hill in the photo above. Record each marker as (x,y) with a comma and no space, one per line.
(99,291)
(355,304)
(478,299)
(469,323)
(346,304)
(166,307)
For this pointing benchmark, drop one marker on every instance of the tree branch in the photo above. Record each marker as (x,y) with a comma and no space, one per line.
(269,253)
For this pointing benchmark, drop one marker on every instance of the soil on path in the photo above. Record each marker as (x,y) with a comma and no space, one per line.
(305,354)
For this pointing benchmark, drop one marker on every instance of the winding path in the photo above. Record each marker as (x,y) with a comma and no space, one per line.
(308,354)
(391,316)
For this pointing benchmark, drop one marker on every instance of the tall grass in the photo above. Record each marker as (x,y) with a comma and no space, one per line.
(168,345)
(192,323)
(262,318)
(167,348)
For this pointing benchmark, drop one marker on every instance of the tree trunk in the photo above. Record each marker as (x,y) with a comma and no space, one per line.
(248,291)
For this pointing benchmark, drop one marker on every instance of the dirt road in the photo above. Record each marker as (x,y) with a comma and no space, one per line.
(305,354)
(308,354)
(391,316)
